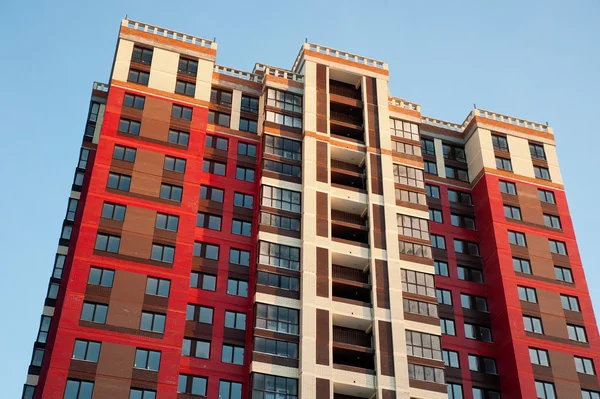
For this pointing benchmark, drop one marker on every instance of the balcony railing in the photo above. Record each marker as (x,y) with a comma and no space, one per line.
(345,118)
(350,336)
(350,274)
(346,166)
(346,217)
(344,90)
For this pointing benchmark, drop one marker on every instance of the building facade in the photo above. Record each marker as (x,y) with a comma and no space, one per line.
(302,234)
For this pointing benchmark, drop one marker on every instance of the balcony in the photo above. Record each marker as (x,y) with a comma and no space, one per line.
(348,175)
(352,349)
(346,121)
(349,227)
(350,284)
(344,90)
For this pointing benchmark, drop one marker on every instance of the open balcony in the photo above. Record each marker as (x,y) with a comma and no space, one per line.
(351,279)
(353,349)
(349,227)
(346,122)
(348,169)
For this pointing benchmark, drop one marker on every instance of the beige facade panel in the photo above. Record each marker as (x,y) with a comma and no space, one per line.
(520,156)
(122,60)
(439,157)
(273,369)
(204,80)
(163,71)
(480,152)
(277,300)
(553,167)
(236,104)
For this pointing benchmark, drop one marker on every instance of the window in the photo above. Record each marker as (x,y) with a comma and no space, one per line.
(552,221)
(279,255)
(438,242)
(425,373)
(214,167)
(408,176)
(482,364)
(285,120)
(174,164)
(418,283)
(158,286)
(512,212)
(211,193)
(481,393)
(78,180)
(142,55)
(243,200)
(44,328)
(280,198)
(522,265)
(28,392)
(59,264)
(107,243)
(563,274)
(406,148)
(473,302)
(569,303)
(146,359)
(455,391)
(237,287)
(247,149)
(192,385)
(283,147)
(113,211)
(585,394)
(239,257)
(249,104)
(503,164)
(78,389)
(220,97)
(479,333)
(444,297)
(181,112)
(423,345)
(139,77)
(282,222)
(162,253)
(94,110)
(411,226)
(576,333)
(284,100)
(454,153)
(539,357)
(154,322)
(537,151)
(185,88)
(84,154)
(276,348)
(171,192)
(527,294)
(230,390)
(447,326)
(246,174)
(541,173)
(546,196)
(271,386)
(218,143)
(208,221)
(465,222)
(419,307)
(499,143)
(441,268)
(450,358)
(584,365)
(435,215)
(133,101)
(430,167)
(179,138)
(195,348)
(203,281)
(101,277)
(248,125)
(432,191)
(187,66)
(66,232)
(557,247)
(118,182)
(457,173)
(517,238)
(241,227)
(428,147)
(283,168)
(412,249)
(469,274)
(137,393)
(208,251)
(37,357)
(94,312)
(278,281)
(277,318)
(166,222)
(232,354)
(200,314)
(508,187)
(410,196)
(533,324)
(545,390)
(235,320)
(404,129)
(86,350)
(219,118)
(460,197)
(465,247)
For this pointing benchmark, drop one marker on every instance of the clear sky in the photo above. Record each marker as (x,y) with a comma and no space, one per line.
(534,60)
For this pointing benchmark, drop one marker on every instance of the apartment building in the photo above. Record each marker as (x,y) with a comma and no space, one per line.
(303,234)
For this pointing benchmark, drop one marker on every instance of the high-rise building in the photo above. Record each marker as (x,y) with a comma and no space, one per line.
(303,234)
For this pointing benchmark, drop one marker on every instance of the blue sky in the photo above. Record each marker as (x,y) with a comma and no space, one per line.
(534,60)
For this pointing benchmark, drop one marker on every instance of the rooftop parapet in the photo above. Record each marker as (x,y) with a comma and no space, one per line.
(278,72)
(402,103)
(168,33)
(344,55)
(251,77)
(100,86)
